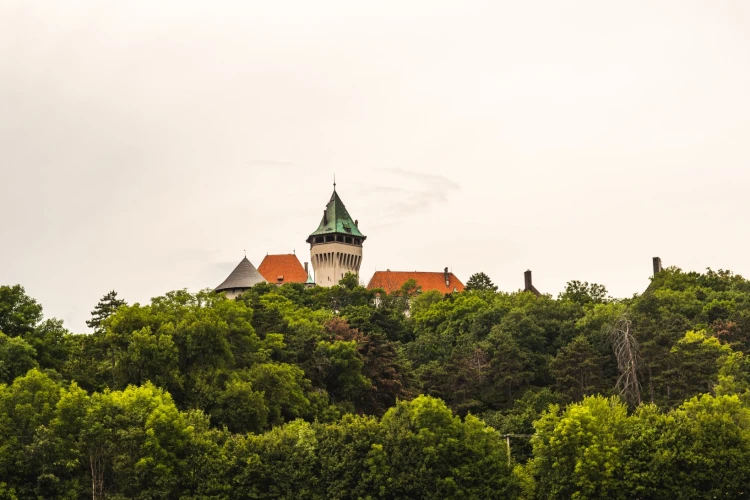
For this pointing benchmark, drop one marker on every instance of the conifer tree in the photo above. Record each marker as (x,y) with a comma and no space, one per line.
(480,281)
(106,307)
(577,369)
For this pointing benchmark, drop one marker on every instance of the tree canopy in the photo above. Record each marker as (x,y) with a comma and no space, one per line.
(344,392)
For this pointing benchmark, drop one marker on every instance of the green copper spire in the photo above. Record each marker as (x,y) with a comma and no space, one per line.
(336,220)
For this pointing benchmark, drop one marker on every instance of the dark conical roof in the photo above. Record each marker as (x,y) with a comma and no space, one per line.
(336,219)
(244,276)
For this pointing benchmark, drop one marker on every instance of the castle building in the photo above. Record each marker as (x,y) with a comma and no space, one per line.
(284,268)
(336,246)
(244,276)
(392,281)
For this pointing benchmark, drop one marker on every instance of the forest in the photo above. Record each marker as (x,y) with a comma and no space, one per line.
(349,393)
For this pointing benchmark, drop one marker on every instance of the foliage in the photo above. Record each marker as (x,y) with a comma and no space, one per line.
(312,393)
(106,307)
(16,358)
(577,370)
(19,313)
(480,281)
(594,449)
(576,451)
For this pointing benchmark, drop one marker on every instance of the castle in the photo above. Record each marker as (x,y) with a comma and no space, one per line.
(336,246)
(335,250)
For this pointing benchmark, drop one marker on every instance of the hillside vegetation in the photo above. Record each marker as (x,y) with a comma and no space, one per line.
(343,392)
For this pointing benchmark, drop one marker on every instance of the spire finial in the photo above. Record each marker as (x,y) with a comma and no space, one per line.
(334,182)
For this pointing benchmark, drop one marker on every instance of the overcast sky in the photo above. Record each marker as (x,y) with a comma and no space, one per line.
(145,145)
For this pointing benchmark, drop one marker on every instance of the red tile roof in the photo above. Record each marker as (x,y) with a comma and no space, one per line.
(392,281)
(284,268)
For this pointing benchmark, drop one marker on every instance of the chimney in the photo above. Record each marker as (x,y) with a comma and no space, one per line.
(447,277)
(528,286)
(657,265)
(306,271)
(356,222)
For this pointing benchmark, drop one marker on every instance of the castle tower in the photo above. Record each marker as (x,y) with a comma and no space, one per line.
(336,246)
(244,277)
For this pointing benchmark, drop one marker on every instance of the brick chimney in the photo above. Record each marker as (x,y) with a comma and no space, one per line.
(447,277)
(528,286)
(657,265)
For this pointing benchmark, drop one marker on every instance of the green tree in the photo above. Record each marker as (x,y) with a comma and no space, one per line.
(584,293)
(149,357)
(106,307)
(350,281)
(384,374)
(704,450)
(429,453)
(284,388)
(480,281)
(26,407)
(511,366)
(577,370)
(16,358)
(340,366)
(577,452)
(52,343)
(349,453)
(136,444)
(240,408)
(19,313)
(695,360)
(282,463)
(520,419)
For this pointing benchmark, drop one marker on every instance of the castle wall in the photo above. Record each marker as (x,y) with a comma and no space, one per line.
(331,261)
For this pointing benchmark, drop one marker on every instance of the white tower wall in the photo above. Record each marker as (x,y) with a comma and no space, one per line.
(332,260)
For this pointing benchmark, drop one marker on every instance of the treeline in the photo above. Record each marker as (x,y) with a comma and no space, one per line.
(293,392)
(61,442)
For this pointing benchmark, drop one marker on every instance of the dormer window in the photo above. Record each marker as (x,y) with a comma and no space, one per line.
(280,278)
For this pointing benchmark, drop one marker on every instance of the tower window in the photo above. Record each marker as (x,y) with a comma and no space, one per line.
(319,239)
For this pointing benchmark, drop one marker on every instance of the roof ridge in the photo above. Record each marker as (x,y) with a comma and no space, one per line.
(417,272)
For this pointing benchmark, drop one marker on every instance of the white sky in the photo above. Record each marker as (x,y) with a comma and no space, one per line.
(144,145)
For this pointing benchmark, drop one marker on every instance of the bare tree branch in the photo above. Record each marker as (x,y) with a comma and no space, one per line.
(627,353)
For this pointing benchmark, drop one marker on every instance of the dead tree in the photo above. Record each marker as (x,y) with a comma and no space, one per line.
(96,468)
(627,353)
